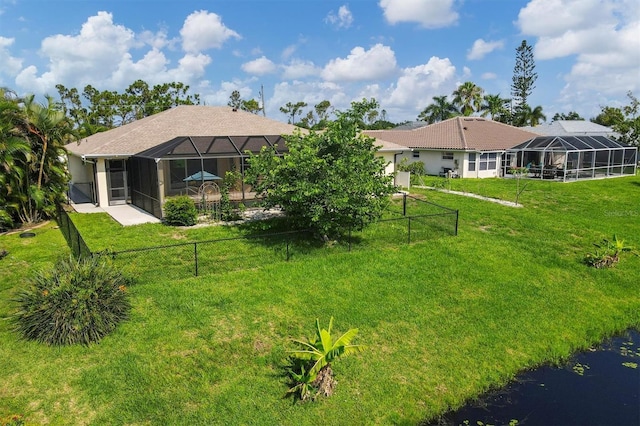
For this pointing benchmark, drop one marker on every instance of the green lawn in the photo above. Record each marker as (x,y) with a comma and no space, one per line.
(444,319)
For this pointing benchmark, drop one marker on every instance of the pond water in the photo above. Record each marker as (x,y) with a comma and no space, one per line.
(595,387)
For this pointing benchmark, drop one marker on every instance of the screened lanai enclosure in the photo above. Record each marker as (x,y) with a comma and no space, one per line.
(570,158)
(185,165)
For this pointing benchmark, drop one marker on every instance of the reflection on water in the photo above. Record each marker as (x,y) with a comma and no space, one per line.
(596,387)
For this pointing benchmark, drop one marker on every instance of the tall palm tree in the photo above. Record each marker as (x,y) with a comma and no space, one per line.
(494,106)
(468,97)
(441,109)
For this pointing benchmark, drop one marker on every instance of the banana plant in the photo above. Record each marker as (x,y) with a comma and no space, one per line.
(321,349)
(312,361)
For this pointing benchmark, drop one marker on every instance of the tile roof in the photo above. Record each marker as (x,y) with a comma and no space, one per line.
(183,120)
(458,133)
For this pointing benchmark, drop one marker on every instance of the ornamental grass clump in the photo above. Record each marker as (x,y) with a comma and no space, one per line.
(311,374)
(79,301)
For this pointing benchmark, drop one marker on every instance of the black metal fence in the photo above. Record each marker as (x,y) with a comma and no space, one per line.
(258,248)
(77,245)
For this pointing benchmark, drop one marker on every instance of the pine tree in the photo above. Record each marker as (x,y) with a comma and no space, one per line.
(524,76)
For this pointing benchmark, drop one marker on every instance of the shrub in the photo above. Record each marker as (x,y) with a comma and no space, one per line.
(180,211)
(78,301)
(416,168)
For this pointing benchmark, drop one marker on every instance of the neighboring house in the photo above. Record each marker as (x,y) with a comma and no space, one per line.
(472,146)
(571,128)
(174,152)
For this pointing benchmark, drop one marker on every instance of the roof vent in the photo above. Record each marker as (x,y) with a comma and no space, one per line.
(465,128)
(234,109)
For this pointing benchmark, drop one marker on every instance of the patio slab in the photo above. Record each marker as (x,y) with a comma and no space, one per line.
(125,214)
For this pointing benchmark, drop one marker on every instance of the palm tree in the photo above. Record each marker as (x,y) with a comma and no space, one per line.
(441,109)
(525,116)
(494,106)
(47,128)
(468,97)
(14,154)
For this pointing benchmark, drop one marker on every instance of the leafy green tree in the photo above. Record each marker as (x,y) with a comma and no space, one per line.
(609,117)
(571,115)
(251,106)
(323,110)
(524,76)
(495,107)
(291,110)
(468,98)
(328,181)
(629,128)
(441,109)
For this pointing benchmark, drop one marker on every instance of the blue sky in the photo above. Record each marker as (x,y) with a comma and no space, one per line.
(401,52)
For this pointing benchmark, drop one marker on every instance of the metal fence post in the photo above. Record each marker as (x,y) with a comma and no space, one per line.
(456,230)
(195,255)
(349,238)
(404,204)
(287,250)
(409,229)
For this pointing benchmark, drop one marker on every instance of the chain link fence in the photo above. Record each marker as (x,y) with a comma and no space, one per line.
(257,249)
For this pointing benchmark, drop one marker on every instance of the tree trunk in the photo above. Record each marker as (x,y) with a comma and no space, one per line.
(324,382)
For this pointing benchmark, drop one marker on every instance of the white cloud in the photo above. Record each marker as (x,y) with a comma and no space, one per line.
(298,68)
(100,55)
(9,65)
(86,58)
(204,30)
(428,13)
(419,84)
(481,48)
(602,35)
(260,66)
(489,76)
(343,19)
(376,63)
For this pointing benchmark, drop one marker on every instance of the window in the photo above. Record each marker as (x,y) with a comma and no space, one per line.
(447,155)
(488,161)
(415,154)
(472,162)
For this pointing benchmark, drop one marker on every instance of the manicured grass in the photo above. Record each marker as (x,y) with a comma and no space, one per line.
(444,319)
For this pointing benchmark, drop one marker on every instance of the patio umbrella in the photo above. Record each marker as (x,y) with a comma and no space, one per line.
(200,176)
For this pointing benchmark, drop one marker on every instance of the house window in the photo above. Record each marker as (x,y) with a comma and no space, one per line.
(472,162)
(447,155)
(415,154)
(488,161)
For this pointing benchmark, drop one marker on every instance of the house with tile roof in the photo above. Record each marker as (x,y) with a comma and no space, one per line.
(173,152)
(473,147)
